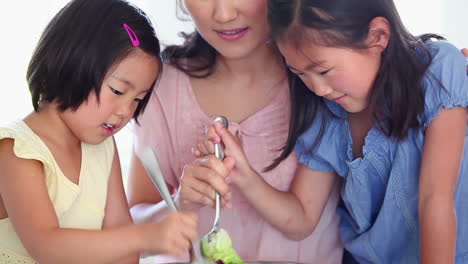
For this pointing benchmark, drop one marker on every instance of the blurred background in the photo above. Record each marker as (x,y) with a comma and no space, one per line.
(23,21)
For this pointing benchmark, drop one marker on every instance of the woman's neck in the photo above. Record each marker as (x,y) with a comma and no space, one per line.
(266,62)
(239,88)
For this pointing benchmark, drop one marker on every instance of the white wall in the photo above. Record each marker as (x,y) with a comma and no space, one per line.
(448,18)
(21,28)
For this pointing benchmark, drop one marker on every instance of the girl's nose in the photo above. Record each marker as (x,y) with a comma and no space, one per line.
(322,90)
(126,110)
(224,11)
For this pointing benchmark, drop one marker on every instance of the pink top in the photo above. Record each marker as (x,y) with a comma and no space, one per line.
(173,123)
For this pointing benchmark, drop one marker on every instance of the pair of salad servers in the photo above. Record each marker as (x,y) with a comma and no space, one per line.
(216,245)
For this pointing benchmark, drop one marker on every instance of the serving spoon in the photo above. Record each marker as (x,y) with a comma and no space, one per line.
(151,165)
(219,153)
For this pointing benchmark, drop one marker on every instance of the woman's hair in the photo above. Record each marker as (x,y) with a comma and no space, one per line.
(194,47)
(79,46)
(397,98)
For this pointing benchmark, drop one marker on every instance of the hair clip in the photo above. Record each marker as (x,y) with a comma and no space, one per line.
(132,35)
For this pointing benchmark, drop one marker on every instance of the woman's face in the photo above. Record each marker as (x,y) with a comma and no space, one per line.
(235,28)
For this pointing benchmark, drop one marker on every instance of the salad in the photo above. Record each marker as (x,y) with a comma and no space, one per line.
(219,250)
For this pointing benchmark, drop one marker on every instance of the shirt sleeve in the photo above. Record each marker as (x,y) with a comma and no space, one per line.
(325,155)
(446,81)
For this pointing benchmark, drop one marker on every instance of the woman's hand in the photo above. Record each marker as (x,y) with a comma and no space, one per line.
(233,149)
(200,179)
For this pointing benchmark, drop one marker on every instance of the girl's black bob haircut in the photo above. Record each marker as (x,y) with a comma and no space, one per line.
(79,46)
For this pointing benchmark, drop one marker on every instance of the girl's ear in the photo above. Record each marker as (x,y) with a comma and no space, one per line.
(379,33)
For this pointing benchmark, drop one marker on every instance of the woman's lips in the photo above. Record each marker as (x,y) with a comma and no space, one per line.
(232,34)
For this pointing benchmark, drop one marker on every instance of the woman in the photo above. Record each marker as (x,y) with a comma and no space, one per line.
(226,67)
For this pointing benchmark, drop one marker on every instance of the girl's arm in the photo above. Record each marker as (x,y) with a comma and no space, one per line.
(443,150)
(117,213)
(25,196)
(296,212)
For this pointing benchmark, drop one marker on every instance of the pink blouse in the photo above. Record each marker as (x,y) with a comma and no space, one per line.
(173,123)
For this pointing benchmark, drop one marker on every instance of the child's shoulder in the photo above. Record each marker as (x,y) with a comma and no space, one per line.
(18,143)
(26,143)
(446,83)
(324,142)
(17,130)
(443,53)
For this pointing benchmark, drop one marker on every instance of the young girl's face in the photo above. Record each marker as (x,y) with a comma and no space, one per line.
(343,75)
(124,86)
(234,28)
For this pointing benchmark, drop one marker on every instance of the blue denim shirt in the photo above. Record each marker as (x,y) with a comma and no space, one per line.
(379,212)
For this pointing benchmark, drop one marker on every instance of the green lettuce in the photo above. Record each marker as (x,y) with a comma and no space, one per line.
(220,248)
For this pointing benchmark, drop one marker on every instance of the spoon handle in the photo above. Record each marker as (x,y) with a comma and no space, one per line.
(219,153)
(151,165)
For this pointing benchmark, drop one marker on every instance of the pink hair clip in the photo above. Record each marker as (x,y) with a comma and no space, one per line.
(132,35)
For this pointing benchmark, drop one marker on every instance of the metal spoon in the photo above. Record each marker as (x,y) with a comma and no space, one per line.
(219,153)
(151,165)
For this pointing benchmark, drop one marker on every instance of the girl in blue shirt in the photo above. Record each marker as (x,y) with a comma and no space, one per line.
(392,125)
(383,110)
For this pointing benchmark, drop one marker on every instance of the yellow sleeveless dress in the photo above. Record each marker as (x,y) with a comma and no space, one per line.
(77,206)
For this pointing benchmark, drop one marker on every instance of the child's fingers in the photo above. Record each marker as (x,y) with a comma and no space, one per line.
(229,163)
(196,152)
(465,52)
(184,244)
(229,140)
(212,134)
(209,146)
(188,226)
(201,147)
(226,201)
(189,234)
(179,246)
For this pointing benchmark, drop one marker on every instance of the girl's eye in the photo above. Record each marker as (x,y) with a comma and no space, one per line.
(138,100)
(116,91)
(298,73)
(324,72)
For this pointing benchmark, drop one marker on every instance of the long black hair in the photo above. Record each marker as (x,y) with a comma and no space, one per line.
(79,46)
(397,98)
(194,47)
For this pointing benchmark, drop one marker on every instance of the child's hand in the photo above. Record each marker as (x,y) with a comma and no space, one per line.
(465,52)
(200,179)
(217,134)
(173,235)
